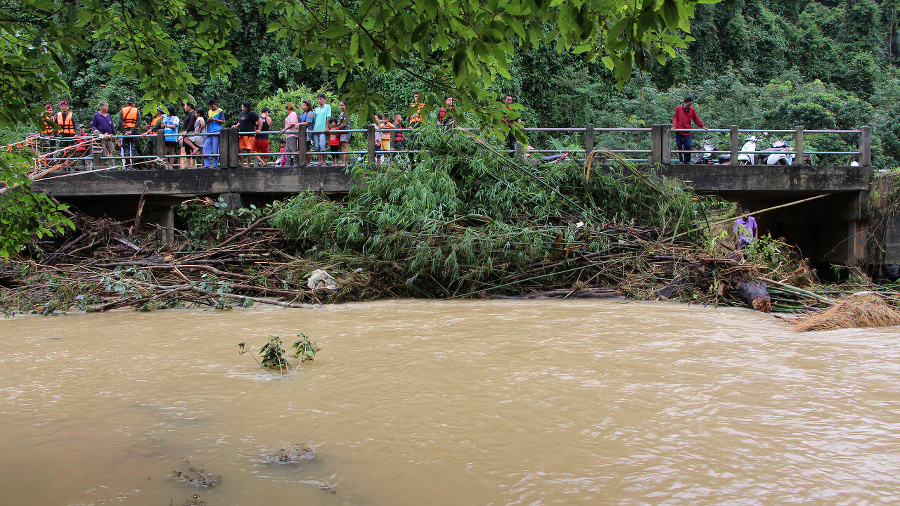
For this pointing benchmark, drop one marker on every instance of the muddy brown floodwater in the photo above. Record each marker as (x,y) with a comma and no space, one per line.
(460,402)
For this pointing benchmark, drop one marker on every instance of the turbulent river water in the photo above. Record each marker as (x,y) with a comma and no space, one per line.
(461,402)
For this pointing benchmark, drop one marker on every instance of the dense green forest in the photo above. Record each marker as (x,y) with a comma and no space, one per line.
(827,64)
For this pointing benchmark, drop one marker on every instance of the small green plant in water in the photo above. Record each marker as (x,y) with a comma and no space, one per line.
(304,349)
(272,354)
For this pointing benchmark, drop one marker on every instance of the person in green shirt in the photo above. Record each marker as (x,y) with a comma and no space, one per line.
(320,125)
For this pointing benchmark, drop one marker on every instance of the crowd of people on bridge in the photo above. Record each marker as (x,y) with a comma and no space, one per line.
(194,137)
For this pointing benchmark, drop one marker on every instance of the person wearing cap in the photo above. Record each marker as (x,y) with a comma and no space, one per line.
(261,143)
(215,117)
(102,124)
(681,124)
(128,122)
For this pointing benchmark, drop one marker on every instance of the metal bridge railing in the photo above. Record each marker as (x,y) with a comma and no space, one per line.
(630,144)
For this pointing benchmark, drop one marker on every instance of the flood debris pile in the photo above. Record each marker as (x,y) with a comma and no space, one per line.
(860,310)
(462,221)
(104,265)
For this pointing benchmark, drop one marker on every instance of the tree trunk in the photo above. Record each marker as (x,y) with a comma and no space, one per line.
(756,295)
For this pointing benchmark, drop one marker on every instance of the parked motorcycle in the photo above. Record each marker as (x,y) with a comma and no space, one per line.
(706,156)
(747,155)
(782,154)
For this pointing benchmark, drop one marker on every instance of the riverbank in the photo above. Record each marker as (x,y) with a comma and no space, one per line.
(103,265)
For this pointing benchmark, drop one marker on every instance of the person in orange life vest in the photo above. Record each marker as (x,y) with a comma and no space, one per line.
(445,116)
(684,114)
(67,125)
(46,139)
(416,119)
(128,123)
(155,125)
(66,121)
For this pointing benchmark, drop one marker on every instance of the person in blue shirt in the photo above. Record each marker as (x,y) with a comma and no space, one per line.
(170,124)
(320,139)
(215,119)
(306,120)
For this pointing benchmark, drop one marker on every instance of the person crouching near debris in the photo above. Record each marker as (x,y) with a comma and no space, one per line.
(746,231)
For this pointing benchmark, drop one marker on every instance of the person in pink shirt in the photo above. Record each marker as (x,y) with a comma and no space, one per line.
(291,127)
(681,124)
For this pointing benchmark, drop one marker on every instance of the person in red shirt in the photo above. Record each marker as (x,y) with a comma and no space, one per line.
(684,114)
(334,139)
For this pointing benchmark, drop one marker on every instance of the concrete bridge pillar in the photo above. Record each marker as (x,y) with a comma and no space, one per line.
(232,201)
(865,146)
(660,144)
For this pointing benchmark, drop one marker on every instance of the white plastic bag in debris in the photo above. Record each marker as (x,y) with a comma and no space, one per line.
(321,279)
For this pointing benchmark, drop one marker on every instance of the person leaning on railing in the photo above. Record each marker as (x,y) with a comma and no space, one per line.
(67,126)
(194,139)
(102,124)
(261,144)
(150,134)
(128,122)
(344,124)
(248,125)
(291,127)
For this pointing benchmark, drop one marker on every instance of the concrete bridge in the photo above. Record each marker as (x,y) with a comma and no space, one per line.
(831,228)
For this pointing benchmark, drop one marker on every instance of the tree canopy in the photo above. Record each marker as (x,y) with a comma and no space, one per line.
(460,47)
(453,47)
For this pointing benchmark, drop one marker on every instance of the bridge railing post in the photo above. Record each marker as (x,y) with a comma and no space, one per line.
(666,142)
(370,136)
(735,140)
(798,145)
(588,142)
(96,153)
(865,146)
(161,144)
(656,142)
(234,147)
(301,147)
(224,160)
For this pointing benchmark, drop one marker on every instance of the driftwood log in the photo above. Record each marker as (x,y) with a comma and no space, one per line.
(755,294)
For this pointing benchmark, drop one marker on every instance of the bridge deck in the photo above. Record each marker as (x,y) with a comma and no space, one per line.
(759,182)
(194,182)
(754,182)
